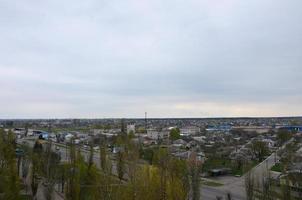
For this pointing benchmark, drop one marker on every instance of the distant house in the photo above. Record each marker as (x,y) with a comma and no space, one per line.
(156,135)
(153,134)
(19,131)
(257,129)
(200,156)
(148,142)
(180,141)
(222,128)
(77,141)
(37,132)
(191,144)
(30,132)
(291,128)
(181,155)
(130,128)
(53,137)
(243,154)
(68,137)
(200,139)
(97,131)
(189,130)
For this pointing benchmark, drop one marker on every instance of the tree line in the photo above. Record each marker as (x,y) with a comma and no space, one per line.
(95,175)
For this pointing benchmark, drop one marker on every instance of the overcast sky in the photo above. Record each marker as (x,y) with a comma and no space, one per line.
(171,58)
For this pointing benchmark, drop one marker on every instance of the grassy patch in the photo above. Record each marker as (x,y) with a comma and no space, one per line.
(244,169)
(212,184)
(25,197)
(278,167)
(212,163)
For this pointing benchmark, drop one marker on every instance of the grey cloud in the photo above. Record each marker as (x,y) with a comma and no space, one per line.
(141,55)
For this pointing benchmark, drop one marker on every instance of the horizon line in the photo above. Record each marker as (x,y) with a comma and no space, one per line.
(100,118)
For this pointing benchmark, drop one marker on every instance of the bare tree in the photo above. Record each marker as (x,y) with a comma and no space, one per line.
(103,155)
(194,169)
(265,186)
(285,190)
(228,196)
(249,185)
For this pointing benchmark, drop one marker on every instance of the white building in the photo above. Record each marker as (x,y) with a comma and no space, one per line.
(69,137)
(189,130)
(200,156)
(19,132)
(155,135)
(130,128)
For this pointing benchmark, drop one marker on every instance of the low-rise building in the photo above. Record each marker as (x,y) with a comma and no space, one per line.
(157,135)
(200,156)
(130,128)
(189,130)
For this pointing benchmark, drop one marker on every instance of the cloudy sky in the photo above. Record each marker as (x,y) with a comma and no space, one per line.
(171,58)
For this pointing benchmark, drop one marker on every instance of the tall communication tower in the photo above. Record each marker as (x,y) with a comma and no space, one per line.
(123,125)
(146,122)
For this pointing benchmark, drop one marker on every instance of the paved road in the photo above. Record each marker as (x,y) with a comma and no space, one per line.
(237,187)
(63,151)
(210,193)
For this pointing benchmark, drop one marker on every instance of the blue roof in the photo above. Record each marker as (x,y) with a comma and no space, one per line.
(296,128)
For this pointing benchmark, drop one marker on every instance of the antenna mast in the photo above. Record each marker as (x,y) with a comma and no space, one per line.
(146,122)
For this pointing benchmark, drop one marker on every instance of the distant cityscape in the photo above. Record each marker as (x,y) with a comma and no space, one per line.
(230,153)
